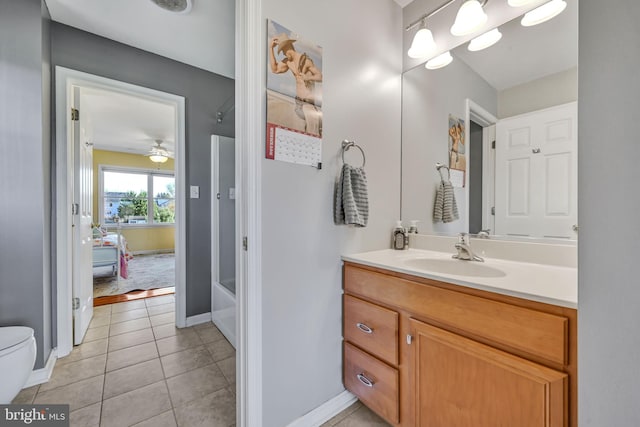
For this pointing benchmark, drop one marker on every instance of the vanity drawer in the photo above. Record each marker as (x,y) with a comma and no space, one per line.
(372,328)
(374,382)
(541,334)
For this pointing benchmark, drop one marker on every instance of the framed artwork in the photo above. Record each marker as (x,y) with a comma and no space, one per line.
(457,151)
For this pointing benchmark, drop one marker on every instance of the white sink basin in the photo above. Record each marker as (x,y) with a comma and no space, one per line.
(454,267)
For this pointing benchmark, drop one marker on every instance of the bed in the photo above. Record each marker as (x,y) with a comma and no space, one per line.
(111,250)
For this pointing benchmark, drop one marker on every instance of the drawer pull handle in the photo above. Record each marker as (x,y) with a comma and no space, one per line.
(364,328)
(364,380)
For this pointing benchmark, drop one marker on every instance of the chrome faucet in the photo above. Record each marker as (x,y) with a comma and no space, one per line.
(465,252)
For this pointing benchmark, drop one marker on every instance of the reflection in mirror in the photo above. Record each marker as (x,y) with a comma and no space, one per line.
(520,93)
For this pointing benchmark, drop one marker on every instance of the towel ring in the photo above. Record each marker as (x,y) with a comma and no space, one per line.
(346,144)
(440,166)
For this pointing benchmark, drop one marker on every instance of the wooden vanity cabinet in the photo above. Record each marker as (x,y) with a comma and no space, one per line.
(424,353)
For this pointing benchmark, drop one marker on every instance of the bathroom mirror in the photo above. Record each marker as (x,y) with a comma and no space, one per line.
(520,93)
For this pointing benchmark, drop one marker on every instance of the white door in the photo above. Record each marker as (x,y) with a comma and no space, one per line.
(82,231)
(536,173)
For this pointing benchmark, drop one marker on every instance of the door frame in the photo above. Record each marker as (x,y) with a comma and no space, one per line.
(249,136)
(473,111)
(65,80)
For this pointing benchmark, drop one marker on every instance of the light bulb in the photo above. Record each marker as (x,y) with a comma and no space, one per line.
(439,61)
(422,45)
(470,18)
(485,40)
(543,13)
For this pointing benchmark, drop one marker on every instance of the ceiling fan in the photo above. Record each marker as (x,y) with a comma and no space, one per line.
(158,154)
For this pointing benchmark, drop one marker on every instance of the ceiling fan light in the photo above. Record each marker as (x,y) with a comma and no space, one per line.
(423,44)
(518,3)
(543,13)
(485,40)
(470,18)
(439,61)
(158,158)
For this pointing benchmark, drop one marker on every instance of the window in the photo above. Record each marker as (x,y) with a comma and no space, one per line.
(136,196)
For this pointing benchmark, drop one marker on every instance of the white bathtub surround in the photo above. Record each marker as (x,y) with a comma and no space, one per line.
(551,284)
(223,309)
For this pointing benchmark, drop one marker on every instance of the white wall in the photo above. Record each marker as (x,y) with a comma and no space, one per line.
(555,89)
(301,247)
(429,96)
(609,291)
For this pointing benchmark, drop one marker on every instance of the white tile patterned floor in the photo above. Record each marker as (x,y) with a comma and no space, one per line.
(135,368)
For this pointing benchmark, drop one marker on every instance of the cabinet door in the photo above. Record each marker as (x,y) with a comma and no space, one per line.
(460,382)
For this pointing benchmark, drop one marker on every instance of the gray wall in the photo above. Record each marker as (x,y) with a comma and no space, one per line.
(609,300)
(555,89)
(227,212)
(428,97)
(25,219)
(301,246)
(205,93)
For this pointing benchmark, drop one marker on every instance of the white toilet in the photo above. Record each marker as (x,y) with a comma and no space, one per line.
(17,357)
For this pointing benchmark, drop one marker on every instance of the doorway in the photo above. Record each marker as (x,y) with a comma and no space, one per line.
(480,126)
(74,300)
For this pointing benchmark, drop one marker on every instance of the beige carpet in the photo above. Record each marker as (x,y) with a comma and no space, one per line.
(145,272)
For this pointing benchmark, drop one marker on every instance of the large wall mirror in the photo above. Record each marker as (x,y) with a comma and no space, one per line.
(518,103)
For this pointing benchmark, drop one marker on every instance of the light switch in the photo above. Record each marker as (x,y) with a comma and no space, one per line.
(195,191)
(232,193)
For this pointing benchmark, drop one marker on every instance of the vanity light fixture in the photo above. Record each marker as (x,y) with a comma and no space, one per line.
(439,61)
(518,3)
(423,43)
(485,40)
(543,13)
(470,18)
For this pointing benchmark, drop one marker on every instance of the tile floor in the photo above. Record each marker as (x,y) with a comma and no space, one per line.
(356,415)
(135,368)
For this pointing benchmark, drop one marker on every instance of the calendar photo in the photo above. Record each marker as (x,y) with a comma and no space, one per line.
(294,130)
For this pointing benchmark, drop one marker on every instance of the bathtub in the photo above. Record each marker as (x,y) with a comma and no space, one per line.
(223,308)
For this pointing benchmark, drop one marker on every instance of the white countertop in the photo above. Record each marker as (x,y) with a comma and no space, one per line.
(537,282)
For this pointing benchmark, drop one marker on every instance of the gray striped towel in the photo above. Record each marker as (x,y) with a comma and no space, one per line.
(351,203)
(445,208)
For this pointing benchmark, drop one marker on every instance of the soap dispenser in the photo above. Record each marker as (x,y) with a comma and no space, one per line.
(400,237)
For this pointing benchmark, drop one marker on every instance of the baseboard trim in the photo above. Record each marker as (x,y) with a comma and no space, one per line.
(153,251)
(41,376)
(198,319)
(326,411)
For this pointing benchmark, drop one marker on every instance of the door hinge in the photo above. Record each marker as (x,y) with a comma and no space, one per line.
(75,114)
(75,209)
(409,339)
(218,196)
(244,243)
(493,145)
(76,303)
(493,210)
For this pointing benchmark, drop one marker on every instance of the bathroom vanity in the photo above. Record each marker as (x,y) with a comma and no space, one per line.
(428,345)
